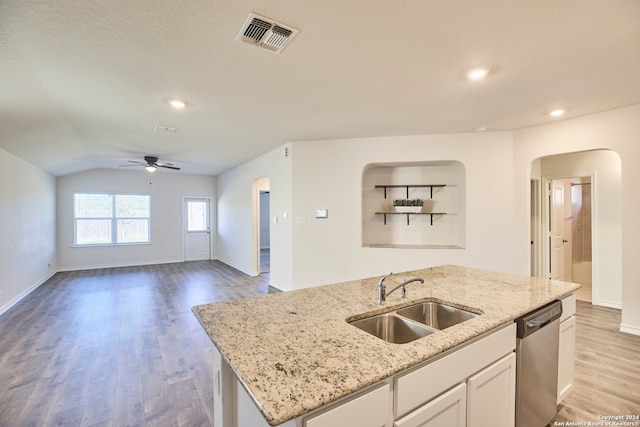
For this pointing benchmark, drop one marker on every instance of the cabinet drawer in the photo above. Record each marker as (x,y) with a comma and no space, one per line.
(424,383)
(370,409)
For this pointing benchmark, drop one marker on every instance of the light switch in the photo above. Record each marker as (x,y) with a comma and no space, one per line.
(322,213)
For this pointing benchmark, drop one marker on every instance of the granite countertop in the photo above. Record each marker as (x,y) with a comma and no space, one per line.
(294,351)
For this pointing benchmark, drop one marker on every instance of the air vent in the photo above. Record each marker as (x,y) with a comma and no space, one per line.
(265,33)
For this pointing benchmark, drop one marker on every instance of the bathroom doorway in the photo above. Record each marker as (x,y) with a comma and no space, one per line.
(580,217)
(570,236)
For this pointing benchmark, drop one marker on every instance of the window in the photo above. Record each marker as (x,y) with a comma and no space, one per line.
(197,215)
(106,219)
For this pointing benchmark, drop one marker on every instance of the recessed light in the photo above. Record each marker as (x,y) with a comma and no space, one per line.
(176,103)
(477,74)
(481,129)
(557,112)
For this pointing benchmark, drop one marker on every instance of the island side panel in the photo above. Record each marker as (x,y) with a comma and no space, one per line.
(223,392)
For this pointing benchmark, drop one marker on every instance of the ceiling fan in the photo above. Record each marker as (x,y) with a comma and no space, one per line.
(151,164)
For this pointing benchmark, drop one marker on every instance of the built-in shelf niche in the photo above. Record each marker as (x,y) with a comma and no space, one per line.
(440,224)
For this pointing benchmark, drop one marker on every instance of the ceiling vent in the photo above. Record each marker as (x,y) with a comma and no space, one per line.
(265,33)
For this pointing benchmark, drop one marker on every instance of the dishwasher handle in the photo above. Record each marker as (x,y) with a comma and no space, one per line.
(531,322)
(536,322)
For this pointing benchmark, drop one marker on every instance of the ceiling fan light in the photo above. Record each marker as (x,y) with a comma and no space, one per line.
(150,168)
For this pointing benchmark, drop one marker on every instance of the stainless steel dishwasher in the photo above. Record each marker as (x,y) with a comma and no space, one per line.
(537,366)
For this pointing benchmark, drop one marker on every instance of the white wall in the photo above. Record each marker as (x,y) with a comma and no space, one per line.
(617,130)
(238,215)
(328,174)
(606,210)
(167,191)
(27,228)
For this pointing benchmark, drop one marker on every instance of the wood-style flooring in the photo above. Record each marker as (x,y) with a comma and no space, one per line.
(120,347)
(115,347)
(607,376)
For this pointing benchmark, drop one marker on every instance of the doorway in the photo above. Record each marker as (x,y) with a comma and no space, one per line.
(197,228)
(261,226)
(265,243)
(592,247)
(570,233)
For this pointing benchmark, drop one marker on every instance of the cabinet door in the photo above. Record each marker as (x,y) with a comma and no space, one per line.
(491,395)
(448,409)
(566,357)
(371,409)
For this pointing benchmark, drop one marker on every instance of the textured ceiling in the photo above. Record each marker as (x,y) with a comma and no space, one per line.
(84,82)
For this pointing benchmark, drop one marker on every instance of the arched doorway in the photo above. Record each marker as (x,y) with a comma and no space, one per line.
(597,174)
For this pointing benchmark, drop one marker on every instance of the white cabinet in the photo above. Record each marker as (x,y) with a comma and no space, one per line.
(472,386)
(426,382)
(567,347)
(449,409)
(370,409)
(491,395)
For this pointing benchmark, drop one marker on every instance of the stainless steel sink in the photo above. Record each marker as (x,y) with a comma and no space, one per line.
(392,328)
(415,321)
(436,315)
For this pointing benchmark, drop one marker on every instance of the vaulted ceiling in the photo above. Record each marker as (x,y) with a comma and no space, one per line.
(84,83)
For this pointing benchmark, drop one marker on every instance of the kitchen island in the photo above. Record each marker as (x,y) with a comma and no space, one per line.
(294,352)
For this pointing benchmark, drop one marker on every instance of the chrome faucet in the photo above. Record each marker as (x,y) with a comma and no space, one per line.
(382,288)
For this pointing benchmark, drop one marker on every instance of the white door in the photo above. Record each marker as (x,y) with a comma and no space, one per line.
(197,229)
(557,235)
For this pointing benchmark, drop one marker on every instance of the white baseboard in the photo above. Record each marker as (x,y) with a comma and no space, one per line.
(609,304)
(278,287)
(116,265)
(630,329)
(232,265)
(24,293)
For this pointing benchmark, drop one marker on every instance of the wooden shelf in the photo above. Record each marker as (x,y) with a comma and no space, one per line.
(429,186)
(409,213)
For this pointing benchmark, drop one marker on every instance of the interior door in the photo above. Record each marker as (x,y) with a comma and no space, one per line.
(197,229)
(557,232)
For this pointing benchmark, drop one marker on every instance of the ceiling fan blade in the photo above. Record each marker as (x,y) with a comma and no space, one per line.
(151,162)
(167,167)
